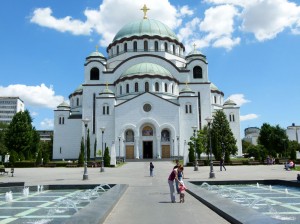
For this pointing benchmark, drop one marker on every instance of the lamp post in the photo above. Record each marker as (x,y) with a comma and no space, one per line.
(119,148)
(211,173)
(177,147)
(196,162)
(85,173)
(102,161)
(173,150)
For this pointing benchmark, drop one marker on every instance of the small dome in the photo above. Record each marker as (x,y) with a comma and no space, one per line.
(146,69)
(96,54)
(229,103)
(186,89)
(143,27)
(107,91)
(79,89)
(213,87)
(195,52)
(63,105)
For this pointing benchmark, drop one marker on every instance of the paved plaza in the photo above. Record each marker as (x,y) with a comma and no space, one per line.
(147,199)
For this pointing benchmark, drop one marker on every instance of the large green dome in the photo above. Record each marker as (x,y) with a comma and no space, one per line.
(148,27)
(146,69)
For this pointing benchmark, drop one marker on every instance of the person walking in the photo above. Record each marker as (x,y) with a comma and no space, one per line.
(222,163)
(173,177)
(151,169)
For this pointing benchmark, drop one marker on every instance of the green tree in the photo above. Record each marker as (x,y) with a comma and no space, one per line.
(221,133)
(245,146)
(21,136)
(293,147)
(106,157)
(258,152)
(3,148)
(13,157)
(88,143)
(38,160)
(81,153)
(272,138)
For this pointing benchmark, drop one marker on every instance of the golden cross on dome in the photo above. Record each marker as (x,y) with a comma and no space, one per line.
(186,83)
(194,46)
(97,48)
(145,9)
(106,85)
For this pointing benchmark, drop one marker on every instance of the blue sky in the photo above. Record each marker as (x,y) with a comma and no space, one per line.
(252,49)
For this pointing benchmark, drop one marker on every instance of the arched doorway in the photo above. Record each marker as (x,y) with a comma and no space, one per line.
(147,134)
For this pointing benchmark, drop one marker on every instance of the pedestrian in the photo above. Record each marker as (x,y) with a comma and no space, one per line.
(222,163)
(177,164)
(173,177)
(180,177)
(151,169)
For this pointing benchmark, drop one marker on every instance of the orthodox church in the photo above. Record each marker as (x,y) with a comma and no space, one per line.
(143,99)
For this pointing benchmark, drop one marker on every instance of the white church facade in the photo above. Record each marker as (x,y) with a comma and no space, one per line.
(146,95)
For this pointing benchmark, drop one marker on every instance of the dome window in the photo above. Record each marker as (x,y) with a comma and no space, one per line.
(118,50)
(135,46)
(166,47)
(94,74)
(120,90)
(174,50)
(127,88)
(125,47)
(145,45)
(77,102)
(156,45)
(136,87)
(146,86)
(156,87)
(197,72)
(166,87)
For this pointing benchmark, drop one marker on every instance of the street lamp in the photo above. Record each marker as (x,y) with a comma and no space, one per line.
(119,148)
(173,150)
(177,147)
(85,173)
(211,173)
(102,162)
(196,162)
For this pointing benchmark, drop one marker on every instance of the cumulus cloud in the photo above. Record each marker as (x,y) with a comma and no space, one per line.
(248,117)
(185,11)
(43,17)
(239,99)
(47,123)
(41,96)
(107,19)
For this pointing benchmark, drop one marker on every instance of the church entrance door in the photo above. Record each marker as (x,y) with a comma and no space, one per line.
(147,149)
(129,152)
(165,151)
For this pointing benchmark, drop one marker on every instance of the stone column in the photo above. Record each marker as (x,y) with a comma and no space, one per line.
(158,150)
(136,147)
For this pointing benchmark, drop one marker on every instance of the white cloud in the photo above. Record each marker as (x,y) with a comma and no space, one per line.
(43,17)
(108,19)
(41,96)
(248,117)
(267,18)
(185,11)
(47,123)
(239,99)
(34,114)
(226,42)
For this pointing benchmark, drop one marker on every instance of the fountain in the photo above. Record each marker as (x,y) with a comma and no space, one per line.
(8,196)
(26,191)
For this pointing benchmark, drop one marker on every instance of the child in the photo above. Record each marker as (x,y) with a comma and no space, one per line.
(182,189)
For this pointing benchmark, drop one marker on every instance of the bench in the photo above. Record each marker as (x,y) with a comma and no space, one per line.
(3,171)
(236,163)
(216,163)
(254,162)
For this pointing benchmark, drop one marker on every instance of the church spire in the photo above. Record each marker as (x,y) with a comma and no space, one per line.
(145,9)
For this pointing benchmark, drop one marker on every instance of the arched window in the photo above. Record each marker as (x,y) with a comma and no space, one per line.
(231,117)
(156,87)
(129,136)
(172,88)
(136,87)
(61,120)
(120,90)
(146,86)
(125,47)
(197,72)
(215,99)
(105,109)
(77,101)
(188,108)
(118,50)
(174,49)
(156,45)
(145,45)
(94,74)
(166,87)
(147,131)
(127,88)
(166,46)
(165,136)
(135,46)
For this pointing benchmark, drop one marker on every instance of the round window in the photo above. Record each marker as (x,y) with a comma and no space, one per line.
(147,107)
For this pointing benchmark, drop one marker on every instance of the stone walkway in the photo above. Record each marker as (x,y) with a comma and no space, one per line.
(147,199)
